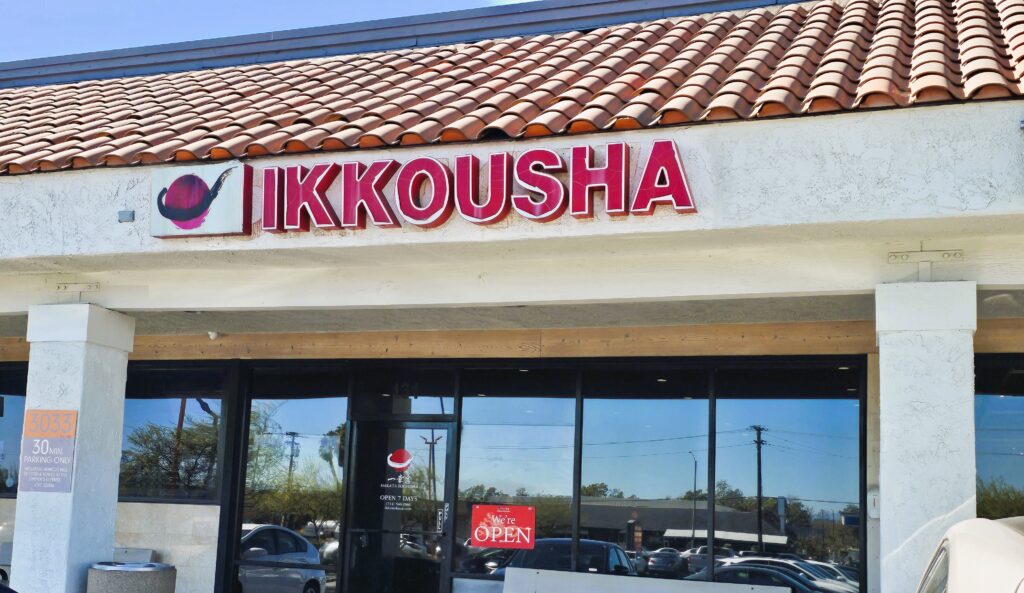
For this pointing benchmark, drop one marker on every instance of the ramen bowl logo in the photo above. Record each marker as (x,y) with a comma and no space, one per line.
(400,460)
(187,200)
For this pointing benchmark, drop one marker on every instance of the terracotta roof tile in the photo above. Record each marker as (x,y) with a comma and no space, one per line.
(827,55)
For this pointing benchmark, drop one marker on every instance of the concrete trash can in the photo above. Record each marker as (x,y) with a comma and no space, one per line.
(131,577)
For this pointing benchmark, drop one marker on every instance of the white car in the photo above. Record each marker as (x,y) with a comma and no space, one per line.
(978,555)
(271,543)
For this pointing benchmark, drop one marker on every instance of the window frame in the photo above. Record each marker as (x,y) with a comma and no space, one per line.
(16,374)
(222,432)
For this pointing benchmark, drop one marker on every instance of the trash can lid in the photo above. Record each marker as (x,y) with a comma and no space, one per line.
(133,566)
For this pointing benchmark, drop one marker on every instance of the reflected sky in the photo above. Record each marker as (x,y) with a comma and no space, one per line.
(642,447)
(999,420)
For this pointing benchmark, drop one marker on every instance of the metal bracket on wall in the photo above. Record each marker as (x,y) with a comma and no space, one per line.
(78,288)
(925,259)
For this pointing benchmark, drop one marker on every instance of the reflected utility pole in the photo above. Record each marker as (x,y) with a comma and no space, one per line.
(431,443)
(291,456)
(693,504)
(760,492)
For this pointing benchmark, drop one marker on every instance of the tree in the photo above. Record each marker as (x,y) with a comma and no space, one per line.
(998,500)
(480,493)
(160,459)
(600,489)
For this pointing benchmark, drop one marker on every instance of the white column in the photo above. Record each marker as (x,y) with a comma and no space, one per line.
(926,421)
(78,361)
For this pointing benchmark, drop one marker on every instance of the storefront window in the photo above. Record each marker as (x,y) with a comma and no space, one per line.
(999,426)
(11,420)
(393,391)
(294,480)
(172,434)
(798,444)
(516,469)
(644,474)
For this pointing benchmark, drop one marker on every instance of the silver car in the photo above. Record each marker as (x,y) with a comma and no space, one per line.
(271,543)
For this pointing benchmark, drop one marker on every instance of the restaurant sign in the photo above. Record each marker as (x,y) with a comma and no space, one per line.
(504,526)
(538,184)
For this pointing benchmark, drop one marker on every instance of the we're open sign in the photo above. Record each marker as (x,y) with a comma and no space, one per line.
(503,526)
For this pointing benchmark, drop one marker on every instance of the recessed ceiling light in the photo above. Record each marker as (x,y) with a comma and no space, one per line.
(851,389)
(844,368)
(385,395)
(481,395)
(662,380)
(524,370)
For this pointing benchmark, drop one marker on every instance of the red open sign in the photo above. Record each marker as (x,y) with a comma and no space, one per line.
(500,526)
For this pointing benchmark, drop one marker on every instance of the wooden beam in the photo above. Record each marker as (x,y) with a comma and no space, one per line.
(13,350)
(417,344)
(996,336)
(763,339)
(842,337)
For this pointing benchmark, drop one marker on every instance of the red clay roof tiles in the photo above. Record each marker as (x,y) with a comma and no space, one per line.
(824,56)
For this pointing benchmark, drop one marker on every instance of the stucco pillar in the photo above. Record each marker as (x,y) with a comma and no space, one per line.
(926,421)
(77,361)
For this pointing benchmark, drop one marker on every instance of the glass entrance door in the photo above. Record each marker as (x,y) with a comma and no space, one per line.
(400,513)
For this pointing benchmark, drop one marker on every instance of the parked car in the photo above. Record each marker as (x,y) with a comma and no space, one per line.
(271,543)
(666,564)
(978,555)
(329,552)
(556,554)
(484,560)
(666,551)
(817,578)
(698,560)
(756,575)
(639,561)
(833,571)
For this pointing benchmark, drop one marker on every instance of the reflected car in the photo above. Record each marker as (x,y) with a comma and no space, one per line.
(758,575)
(483,561)
(817,578)
(833,572)
(639,561)
(978,555)
(329,552)
(556,554)
(272,543)
(666,564)
(698,560)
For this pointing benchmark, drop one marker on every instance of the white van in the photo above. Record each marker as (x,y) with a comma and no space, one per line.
(978,555)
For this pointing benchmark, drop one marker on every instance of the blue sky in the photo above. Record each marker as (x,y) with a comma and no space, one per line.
(57,27)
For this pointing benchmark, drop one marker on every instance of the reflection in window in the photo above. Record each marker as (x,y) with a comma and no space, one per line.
(644,478)
(294,469)
(999,421)
(516,451)
(999,436)
(12,416)
(808,454)
(404,391)
(170,447)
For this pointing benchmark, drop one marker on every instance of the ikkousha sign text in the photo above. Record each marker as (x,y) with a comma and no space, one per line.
(504,526)
(538,184)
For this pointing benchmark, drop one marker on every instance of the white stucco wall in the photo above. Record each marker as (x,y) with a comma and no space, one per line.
(791,206)
(184,535)
(927,472)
